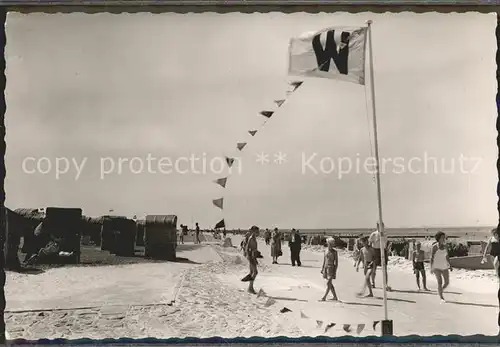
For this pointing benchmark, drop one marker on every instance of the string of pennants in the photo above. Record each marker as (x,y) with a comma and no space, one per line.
(348,328)
(240,146)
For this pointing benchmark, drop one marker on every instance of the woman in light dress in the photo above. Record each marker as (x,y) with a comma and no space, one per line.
(276,245)
(440,263)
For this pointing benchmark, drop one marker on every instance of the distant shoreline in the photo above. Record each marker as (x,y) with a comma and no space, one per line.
(469,232)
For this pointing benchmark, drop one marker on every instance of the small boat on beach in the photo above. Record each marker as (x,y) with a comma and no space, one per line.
(471,262)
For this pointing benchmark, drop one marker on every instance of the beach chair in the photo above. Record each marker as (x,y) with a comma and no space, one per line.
(160,237)
(118,235)
(65,224)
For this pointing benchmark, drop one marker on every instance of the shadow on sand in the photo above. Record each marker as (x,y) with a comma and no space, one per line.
(185,261)
(302,265)
(360,304)
(285,299)
(27,271)
(189,247)
(394,299)
(470,304)
(433,292)
(93,256)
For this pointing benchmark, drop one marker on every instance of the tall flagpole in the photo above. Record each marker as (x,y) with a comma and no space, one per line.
(377,174)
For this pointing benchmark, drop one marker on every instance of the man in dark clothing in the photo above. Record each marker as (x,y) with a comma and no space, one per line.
(182,233)
(267,236)
(295,247)
(197,234)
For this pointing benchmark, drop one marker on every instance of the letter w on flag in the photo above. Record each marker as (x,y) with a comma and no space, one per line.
(335,53)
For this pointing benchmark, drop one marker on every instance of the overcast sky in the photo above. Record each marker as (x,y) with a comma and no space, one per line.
(174,85)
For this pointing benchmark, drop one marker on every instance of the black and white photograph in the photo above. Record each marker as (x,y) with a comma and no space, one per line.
(260,174)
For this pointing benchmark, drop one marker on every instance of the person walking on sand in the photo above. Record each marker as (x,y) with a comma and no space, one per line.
(440,263)
(244,242)
(267,236)
(366,256)
(357,249)
(295,247)
(418,258)
(251,254)
(374,241)
(276,245)
(329,269)
(197,230)
(181,235)
(493,247)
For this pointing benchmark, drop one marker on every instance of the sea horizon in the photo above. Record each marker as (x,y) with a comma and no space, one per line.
(404,232)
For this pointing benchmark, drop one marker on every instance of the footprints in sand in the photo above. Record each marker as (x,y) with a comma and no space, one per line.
(102,322)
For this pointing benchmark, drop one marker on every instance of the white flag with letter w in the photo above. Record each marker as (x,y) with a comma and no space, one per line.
(336,53)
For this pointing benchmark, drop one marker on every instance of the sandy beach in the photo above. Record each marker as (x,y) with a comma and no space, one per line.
(205,297)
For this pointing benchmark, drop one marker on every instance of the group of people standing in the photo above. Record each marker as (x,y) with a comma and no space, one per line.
(274,239)
(184,231)
(368,251)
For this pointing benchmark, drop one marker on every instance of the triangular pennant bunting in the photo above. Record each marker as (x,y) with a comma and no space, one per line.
(240,146)
(261,293)
(221,181)
(219,203)
(375,324)
(279,102)
(319,323)
(329,326)
(220,224)
(296,84)
(229,161)
(285,310)
(302,315)
(270,302)
(347,328)
(360,328)
(267,114)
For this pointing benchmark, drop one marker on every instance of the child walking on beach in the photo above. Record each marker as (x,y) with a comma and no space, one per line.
(357,249)
(329,270)
(367,256)
(251,254)
(440,263)
(418,258)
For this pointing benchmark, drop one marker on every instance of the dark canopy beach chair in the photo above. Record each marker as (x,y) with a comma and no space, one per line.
(57,237)
(24,222)
(17,227)
(118,235)
(65,227)
(160,237)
